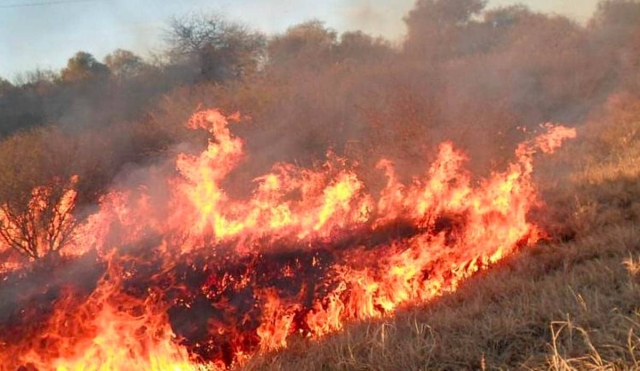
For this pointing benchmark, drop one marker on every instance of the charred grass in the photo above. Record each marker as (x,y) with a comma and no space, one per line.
(571,302)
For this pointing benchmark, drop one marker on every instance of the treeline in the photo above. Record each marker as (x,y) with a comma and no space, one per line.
(463,72)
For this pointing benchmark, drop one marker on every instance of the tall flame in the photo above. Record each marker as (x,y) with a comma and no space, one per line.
(201,280)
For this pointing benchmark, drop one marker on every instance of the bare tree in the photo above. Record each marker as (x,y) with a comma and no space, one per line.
(41,227)
(217,48)
(38,191)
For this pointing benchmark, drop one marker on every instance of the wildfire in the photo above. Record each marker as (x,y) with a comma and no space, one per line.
(198,280)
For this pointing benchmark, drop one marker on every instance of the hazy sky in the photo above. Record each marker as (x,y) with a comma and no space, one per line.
(45,33)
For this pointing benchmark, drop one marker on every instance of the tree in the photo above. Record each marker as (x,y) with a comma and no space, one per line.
(616,24)
(36,207)
(5,86)
(219,50)
(362,47)
(41,227)
(497,26)
(84,67)
(618,15)
(436,28)
(37,77)
(23,105)
(123,64)
(309,45)
(506,17)
(45,173)
(616,30)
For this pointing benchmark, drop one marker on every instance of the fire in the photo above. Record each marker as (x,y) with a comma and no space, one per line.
(195,279)
(44,228)
(325,203)
(109,330)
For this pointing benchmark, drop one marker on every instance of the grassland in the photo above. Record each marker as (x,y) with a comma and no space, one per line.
(571,302)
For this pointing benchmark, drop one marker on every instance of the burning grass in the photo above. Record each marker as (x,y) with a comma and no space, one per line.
(568,303)
(184,276)
(561,306)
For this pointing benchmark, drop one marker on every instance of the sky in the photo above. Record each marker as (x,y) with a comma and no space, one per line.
(44,34)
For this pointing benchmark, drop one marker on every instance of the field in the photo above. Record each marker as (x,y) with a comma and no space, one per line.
(560,305)
(464,197)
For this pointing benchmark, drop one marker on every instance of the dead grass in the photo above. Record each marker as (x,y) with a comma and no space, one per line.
(564,306)
(570,304)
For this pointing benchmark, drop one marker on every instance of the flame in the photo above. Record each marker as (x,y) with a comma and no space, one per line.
(108,331)
(198,280)
(44,228)
(325,203)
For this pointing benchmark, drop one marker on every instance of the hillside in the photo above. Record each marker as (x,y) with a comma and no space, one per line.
(560,305)
(464,198)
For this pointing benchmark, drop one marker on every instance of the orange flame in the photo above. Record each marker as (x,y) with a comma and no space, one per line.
(255,299)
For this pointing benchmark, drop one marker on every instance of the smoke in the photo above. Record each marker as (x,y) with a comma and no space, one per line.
(313,98)
(481,78)
(377,17)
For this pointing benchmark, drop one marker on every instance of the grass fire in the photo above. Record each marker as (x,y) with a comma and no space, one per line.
(222,279)
(465,198)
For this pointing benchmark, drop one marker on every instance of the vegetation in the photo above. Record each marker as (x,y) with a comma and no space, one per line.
(480,77)
(562,305)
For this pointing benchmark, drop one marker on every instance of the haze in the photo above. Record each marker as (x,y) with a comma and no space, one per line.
(46,33)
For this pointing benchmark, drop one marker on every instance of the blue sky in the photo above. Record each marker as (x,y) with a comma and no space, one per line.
(45,36)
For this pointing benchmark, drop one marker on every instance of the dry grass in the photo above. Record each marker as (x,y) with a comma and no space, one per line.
(563,306)
(572,305)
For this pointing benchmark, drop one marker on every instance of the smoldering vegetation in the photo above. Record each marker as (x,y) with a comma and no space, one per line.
(482,77)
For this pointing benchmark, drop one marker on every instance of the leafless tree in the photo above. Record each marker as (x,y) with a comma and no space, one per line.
(44,225)
(217,48)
